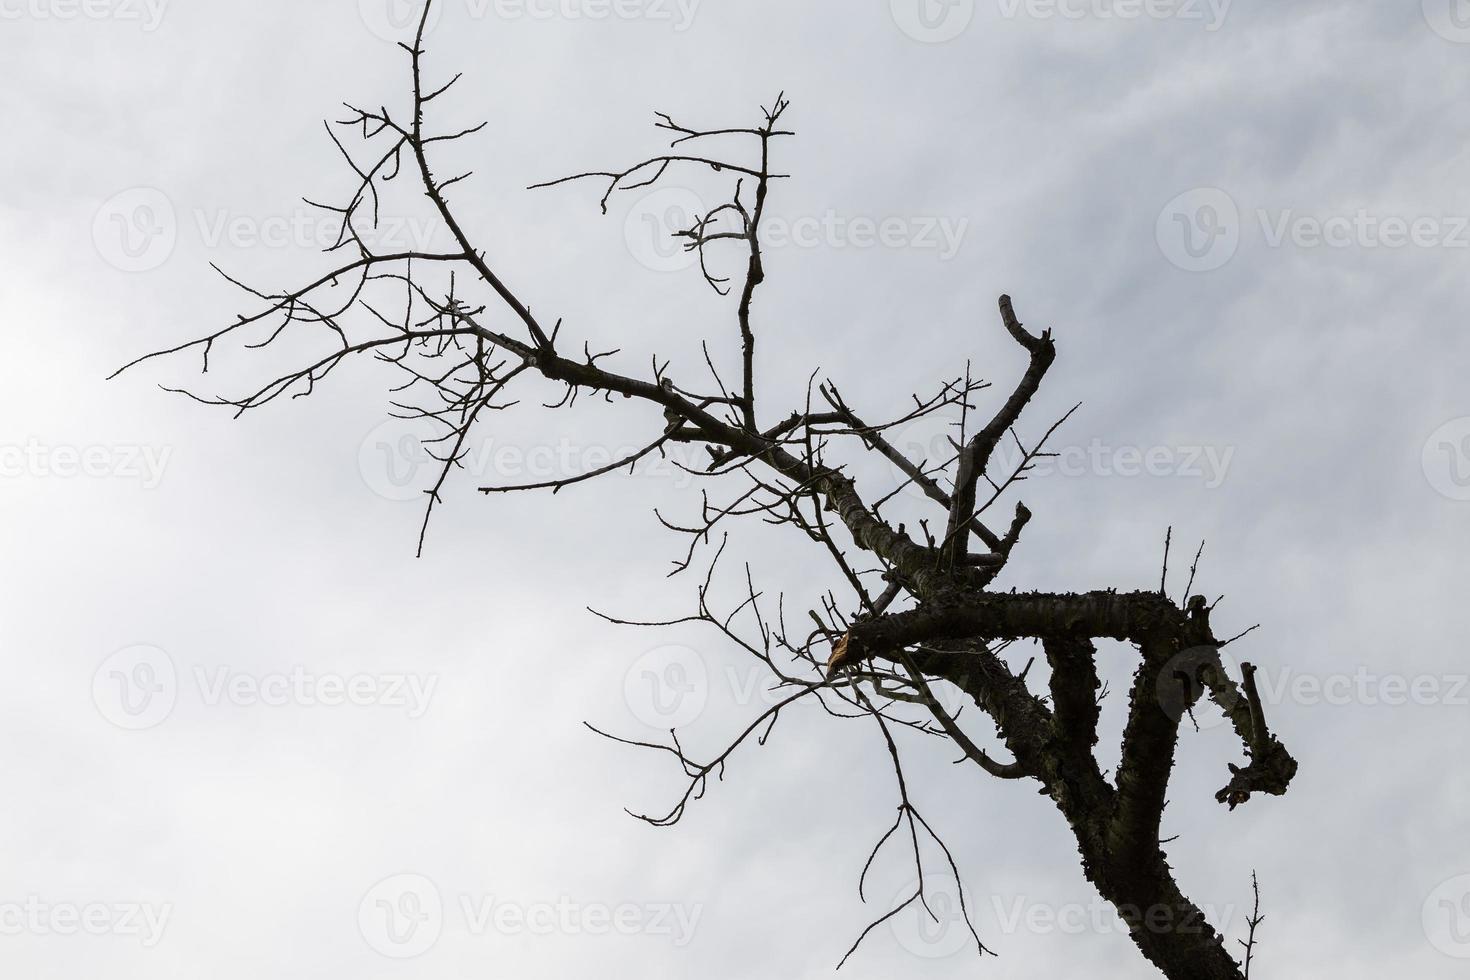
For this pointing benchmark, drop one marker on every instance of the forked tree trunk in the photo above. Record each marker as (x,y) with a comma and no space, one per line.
(1135,878)
(1116,823)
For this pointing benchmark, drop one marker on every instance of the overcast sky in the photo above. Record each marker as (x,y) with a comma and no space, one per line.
(1246,223)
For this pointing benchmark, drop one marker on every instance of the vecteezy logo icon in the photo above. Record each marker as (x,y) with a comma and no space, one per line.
(1446,917)
(1450,19)
(1446,459)
(395,461)
(136,687)
(667,687)
(929,443)
(1199,230)
(1181,687)
(135,230)
(652,226)
(401,916)
(944,933)
(396,20)
(932,21)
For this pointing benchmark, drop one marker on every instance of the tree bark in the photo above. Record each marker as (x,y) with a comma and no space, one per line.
(1116,823)
(1169,929)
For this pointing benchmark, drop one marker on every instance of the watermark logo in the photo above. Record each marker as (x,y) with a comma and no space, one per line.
(394,462)
(311,228)
(134,920)
(404,915)
(653,223)
(1181,684)
(33,458)
(1362,229)
(1446,459)
(1199,231)
(667,687)
(305,689)
(1362,688)
(1450,19)
(1181,688)
(940,929)
(397,20)
(1446,917)
(932,21)
(929,443)
(1210,13)
(136,230)
(402,458)
(148,14)
(136,688)
(679,14)
(655,226)
(486,914)
(943,236)
(401,916)
(1020,915)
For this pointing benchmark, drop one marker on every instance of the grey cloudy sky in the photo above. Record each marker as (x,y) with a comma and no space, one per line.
(1245,222)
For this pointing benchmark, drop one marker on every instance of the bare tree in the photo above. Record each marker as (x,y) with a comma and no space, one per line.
(919,611)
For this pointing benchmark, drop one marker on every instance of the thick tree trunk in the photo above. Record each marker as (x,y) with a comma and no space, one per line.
(1169,929)
(1117,823)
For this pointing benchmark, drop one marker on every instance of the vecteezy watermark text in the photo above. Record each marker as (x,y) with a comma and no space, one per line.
(138,687)
(33,916)
(1209,13)
(148,14)
(1202,229)
(138,229)
(653,231)
(33,458)
(404,915)
(397,20)
(399,460)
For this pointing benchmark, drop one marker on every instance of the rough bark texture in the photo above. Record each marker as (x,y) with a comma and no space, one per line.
(1116,824)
